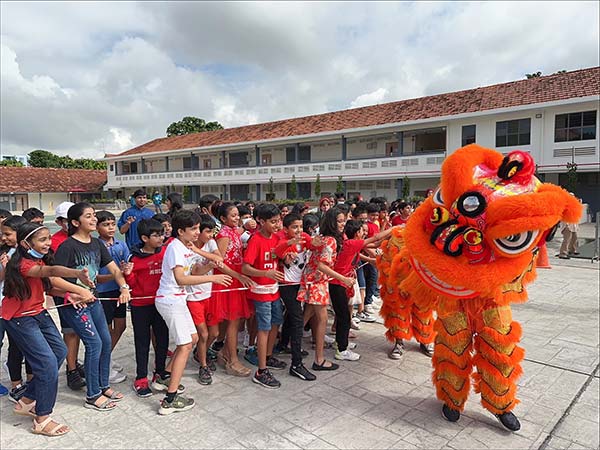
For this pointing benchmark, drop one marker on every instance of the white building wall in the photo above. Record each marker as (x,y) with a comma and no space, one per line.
(47,201)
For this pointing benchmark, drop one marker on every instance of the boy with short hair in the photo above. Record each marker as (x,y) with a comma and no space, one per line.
(108,288)
(199,302)
(292,250)
(171,303)
(260,263)
(33,215)
(165,221)
(143,273)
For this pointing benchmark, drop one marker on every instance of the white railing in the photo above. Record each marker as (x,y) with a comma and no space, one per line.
(375,168)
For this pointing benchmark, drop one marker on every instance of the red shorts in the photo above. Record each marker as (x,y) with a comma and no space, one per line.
(201,313)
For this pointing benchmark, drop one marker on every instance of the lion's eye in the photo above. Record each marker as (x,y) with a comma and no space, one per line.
(516,243)
(437,197)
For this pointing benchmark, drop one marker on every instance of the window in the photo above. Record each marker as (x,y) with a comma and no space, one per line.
(513,132)
(303,154)
(206,163)
(239,159)
(265,159)
(112,168)
(391,148)
(190,162)
(130,167)
(468,135)
(577,126)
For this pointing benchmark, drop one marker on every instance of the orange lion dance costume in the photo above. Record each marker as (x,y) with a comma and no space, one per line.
(467,252)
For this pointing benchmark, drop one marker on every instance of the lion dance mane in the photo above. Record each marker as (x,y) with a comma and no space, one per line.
(467,253)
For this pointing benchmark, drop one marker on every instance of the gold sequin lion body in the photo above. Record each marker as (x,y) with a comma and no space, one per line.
(467,253)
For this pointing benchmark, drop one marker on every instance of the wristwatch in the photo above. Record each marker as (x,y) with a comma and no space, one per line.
(125,286)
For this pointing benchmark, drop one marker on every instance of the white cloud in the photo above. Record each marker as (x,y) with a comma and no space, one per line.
(73,73)
(372,98)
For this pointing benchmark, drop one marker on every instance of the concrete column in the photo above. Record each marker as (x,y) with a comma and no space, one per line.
(142,168)
(296,153)
(222,159)
(400,143)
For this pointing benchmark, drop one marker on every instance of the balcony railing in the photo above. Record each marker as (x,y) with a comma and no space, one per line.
(374,168)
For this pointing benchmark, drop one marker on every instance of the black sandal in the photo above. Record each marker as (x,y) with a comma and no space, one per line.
(322,366)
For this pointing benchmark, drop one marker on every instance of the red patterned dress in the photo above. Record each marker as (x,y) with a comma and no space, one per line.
(314,284)
(231,305)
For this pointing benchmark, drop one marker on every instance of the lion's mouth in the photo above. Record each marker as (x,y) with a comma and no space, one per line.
(440,286)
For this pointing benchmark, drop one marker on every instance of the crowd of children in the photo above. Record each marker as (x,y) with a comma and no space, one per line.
(192,278)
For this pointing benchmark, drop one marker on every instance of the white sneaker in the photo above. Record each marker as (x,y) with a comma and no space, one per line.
(116,367)
(369,309)
(351,345)
(354,325)
(116,377)
(347,355)
(367,318)
(329,340)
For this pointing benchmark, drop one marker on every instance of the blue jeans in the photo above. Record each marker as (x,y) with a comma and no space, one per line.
(1,332)
(39,340)
(371,278)
(89,324)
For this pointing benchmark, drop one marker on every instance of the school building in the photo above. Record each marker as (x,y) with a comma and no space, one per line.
(375,149)
(45,189)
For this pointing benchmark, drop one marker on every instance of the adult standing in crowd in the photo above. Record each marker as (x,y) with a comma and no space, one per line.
(132,216)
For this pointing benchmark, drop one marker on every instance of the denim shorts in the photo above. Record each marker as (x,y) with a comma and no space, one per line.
(268,314)
(360,277)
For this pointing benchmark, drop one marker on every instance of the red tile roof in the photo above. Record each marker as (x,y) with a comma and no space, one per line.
(579,83)
(32,179)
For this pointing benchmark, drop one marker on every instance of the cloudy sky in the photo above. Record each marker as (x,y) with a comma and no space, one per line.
(93,77)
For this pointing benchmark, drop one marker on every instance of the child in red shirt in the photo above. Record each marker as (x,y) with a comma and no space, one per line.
(31,327)
(260,263)
(346,261)
(142,274)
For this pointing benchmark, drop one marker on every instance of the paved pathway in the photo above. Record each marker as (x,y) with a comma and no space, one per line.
(373,403)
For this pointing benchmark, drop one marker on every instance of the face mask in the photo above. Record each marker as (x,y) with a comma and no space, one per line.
(34,253)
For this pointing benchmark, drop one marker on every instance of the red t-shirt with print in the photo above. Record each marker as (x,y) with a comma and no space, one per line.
(260,254)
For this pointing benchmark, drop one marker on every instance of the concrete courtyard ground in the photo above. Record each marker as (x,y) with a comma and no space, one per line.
(373,403)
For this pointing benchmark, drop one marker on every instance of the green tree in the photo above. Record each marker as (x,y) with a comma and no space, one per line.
(10,163)
(571,184)
(405,188)
(189,125)
(43,158)
(340,185)
(293,188)
(533,75)
(318,186)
